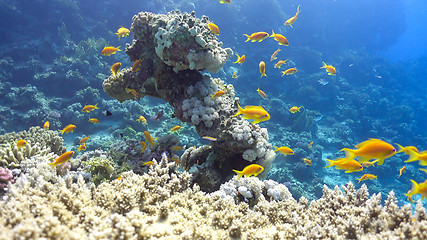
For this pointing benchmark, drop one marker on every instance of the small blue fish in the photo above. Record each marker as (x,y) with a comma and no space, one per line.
(323,81)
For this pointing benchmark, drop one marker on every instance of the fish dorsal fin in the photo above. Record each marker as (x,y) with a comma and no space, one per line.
(371,140)
(254,107)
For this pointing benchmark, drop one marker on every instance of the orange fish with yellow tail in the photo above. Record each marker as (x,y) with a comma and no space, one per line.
(345,164)
(122,32)
(366,177)
(280,63)
(62,159)
(418,188)
(256,37)
(371,149)
(256,113)
(274,55)
(68,128)
(330,69)
(107,51)
(136,65)
(280,39)
(46,125)
(261,93)
(115,68)
(90,108)
(253,169)
(262,69)
(149,139)
(292,20)
(289,71)
(214,28)
(240,60)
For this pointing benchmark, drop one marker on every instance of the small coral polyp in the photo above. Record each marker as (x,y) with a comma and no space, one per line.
(174,48)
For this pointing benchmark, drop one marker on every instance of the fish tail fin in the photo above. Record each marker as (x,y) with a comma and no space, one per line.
(413,156)
(349,153)
(414,190)
(52,164)
(239,173)
(360,179)
(263,74)
(212,96)
(331,163)
(238,58)
(62,131)
(380,161)
(118,49)
(272,35)
(298,8)
(400,148)
(240,110)
(249,37)
(324,65)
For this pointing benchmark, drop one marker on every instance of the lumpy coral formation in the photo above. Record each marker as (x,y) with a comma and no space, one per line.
(173,49)
(161,204)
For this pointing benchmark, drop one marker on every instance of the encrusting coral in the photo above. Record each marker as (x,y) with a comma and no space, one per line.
(161,205)
(173,49)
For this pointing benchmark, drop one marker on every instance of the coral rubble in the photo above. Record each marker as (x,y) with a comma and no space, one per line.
(173,49)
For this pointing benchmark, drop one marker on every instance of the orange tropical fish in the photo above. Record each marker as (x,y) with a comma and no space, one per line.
(345,164)
(294,109)
(214,28)
(371,149)
(406,149)
(292,20)
(82,147)
(176,159)
(107,51)
(262,68)
(89,108)
(119,178)
(258,36)
(83,140)
(261,93)
(149,163)
(176,128)
(133,92)
(414,156)
(68,128)
(212,139)
(62,159)
(307,161)
(46,125)
(94,120)
(280,63)
(257,113)
(149,139)
(234,75)
(402,170)
(289,71)
(142,119)
(217,94)
(420,188)
(330,69)
(280,39)
(21,143)
(177,148)
(136,65)
(274,55)
(240,60)
(115,68)
(253,169)
(225,1)
(368,164)
(366,177)
(284,150)
(143,145)
(122,32)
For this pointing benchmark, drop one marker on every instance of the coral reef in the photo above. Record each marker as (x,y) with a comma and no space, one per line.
(174,48)
(161,205)
(5,177)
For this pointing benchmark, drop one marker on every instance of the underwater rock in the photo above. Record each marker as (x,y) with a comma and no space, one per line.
(173,49)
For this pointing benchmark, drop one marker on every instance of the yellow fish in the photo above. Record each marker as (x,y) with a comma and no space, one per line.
(214,28)
(274,55)
(284,150)
(68,128)
(371,149)
(289,71)
(136,65)
(83,140)
(406,149)
(345,164)
(280,63)
(330,69)
(217,94)
(149,139)
(212,139)
(368,164)
(82,147)
(89,108)
(420,188)
(292,20)
(258,36)
(177,148)
(307,161)
(122,32)
(257,113)
(366,177)
(262,68)
(253,169)
(143,145)
(142,119)
(310,144)
(414,156)
(261,93)
(402,170)
(107,51)
(62,159)
(46,125)
(115,68)
(280,39)
(240,60)
(94,120)
(133,92)
(234,75)
(225,1)
(176,128)
(294,109)
(21,143)
(149,163)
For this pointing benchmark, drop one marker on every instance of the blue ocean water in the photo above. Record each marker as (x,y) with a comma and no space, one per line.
(50,67)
